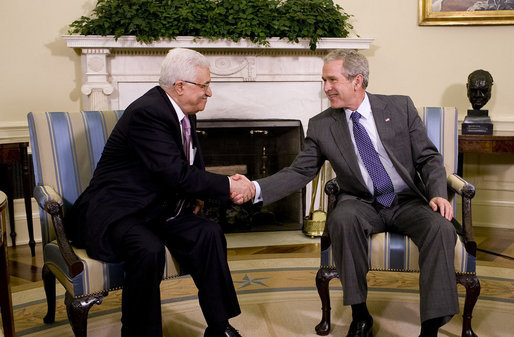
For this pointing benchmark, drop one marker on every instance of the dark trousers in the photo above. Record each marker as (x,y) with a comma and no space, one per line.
(353,221)
(198,245)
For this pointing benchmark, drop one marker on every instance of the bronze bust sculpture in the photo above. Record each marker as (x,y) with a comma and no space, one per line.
(479,87)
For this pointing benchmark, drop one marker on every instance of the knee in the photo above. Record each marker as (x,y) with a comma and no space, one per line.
(343,221)
(445,229)
(213,231)
(152,256)
(442,231)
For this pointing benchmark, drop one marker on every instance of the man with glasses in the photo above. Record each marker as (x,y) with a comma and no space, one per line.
(145,194)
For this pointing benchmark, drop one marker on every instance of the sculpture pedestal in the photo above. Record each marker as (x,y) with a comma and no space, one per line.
(477,122)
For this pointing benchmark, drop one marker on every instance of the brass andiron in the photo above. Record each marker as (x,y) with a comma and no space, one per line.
(314,223)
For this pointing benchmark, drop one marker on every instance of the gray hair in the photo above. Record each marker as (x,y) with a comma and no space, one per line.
(181,64)
(353,64)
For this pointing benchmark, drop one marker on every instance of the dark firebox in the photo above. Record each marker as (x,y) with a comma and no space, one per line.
(255,148)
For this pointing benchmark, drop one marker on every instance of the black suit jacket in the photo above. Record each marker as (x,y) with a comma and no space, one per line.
(142,174)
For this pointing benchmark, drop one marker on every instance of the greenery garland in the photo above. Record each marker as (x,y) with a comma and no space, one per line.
(256,20)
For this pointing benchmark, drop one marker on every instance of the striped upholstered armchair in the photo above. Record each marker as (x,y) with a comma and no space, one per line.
(395,252)
(65,149)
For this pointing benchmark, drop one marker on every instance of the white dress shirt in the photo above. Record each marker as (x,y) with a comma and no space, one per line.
(368,122)
(180,116)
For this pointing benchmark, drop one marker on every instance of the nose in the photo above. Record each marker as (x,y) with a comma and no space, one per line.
(208,92)
(478,93)
(326,86)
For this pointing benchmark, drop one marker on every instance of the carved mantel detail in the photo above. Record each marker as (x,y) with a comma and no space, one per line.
(234,66)
(95,80)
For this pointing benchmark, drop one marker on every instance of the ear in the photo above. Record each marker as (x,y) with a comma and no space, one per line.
(179,87)
(358,80)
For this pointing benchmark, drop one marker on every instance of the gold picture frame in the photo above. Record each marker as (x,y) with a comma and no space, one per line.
(432,13)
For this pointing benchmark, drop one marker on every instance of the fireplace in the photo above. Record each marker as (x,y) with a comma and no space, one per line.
(255,148)
(281,81)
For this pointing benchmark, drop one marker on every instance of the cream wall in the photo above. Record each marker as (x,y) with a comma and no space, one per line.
(38,71)
(431,64)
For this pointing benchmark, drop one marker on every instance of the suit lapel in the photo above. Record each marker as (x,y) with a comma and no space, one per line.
(342,138)
(384,123)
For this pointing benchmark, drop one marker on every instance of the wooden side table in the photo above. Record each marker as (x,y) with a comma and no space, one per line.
(11,153)
(5,288)
(484,144)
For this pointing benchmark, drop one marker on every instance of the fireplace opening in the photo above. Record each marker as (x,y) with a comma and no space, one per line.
(255,148)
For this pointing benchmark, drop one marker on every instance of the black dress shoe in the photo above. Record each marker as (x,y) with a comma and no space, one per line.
(361,328)
(229,332)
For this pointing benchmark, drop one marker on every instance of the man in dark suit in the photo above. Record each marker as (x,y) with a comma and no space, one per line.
(391,177)
(145,193)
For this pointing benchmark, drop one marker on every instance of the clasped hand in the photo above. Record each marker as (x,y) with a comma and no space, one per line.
(241,189)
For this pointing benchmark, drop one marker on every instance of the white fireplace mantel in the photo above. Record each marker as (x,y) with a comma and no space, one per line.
(123,42)
(249,80)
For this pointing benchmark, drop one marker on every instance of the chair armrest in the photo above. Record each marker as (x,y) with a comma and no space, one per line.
(43,194)
(51,202)
(461,186)
(332,190)
(467,191)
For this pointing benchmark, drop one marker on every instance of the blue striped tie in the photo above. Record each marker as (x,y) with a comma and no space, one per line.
(382,184)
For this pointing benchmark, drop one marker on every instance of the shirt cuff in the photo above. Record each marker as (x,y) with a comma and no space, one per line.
(258,195)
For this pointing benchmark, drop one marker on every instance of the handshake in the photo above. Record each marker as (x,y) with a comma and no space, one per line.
(241,189)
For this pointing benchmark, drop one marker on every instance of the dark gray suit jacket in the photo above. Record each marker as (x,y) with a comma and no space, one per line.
(328,138)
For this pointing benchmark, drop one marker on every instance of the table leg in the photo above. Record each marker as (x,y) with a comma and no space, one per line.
(460,162)
(5,294)
(27,196)
(10,203)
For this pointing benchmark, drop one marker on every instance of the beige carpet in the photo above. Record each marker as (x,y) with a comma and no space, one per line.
(278,298)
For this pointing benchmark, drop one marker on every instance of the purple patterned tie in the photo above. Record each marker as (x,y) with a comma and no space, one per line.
(382,184)
(186,136)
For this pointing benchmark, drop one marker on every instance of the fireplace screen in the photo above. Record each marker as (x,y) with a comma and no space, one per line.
(255,148)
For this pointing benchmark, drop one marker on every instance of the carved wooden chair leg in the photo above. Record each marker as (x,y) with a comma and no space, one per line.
(78,309)
(49,284)
(323,278)
(472,285)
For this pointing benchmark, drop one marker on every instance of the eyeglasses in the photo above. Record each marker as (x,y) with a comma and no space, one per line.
(205,86)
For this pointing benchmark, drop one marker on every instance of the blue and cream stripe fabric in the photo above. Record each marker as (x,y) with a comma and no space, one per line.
(66,147)
(396,252)
(441,124)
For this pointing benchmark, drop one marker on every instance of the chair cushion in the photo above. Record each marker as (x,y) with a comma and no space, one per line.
(97,276)
(396,252)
